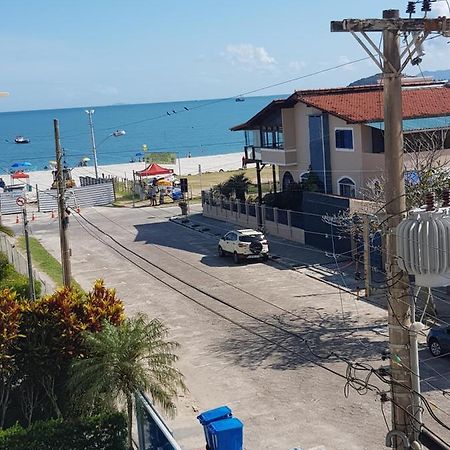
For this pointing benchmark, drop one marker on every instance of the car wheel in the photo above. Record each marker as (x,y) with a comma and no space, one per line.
(435,347)
(236,258)
(220,251)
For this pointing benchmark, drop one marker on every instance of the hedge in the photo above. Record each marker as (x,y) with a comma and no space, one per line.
(104,432)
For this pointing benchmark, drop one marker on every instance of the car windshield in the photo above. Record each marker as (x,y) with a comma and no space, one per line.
(252,238)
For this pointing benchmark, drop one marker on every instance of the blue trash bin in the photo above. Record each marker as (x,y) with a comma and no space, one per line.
(207,417)
(226,434)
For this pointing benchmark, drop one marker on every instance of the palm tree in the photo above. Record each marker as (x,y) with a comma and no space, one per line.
(121,360)
(239,184)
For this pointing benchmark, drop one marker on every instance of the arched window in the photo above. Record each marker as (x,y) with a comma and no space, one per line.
(303,178)
(347,187)
(288,179)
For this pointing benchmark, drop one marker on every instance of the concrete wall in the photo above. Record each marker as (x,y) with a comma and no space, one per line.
(241,216)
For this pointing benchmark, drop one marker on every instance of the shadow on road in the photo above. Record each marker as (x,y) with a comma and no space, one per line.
(316,336)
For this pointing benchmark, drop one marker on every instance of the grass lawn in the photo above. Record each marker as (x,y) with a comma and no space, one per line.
(209,179)
(205,181)
(44,261)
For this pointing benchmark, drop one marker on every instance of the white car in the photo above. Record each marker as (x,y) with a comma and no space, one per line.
(244,244)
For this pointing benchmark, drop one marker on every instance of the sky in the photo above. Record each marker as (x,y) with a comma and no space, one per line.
(71,53)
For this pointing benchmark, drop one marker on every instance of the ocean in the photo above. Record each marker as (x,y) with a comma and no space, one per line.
(198,128)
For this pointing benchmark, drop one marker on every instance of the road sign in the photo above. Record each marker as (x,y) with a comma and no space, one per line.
(20,201)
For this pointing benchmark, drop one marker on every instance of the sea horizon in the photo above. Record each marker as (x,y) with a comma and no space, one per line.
(195,127)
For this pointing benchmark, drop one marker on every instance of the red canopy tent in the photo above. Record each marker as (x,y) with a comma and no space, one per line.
(18,175)
(154,170)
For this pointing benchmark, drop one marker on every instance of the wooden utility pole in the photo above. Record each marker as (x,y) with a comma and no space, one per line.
(399,315)
(62,210)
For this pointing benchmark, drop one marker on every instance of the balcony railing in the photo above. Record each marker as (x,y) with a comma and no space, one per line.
(279,157)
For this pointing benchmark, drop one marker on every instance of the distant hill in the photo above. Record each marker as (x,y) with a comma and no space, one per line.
(373,79)
(437,75)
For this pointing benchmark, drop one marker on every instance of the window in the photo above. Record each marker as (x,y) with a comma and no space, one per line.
(344,139)
(288,179)
(304,177)
(347,187)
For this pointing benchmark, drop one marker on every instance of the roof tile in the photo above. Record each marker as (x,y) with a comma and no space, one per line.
(368,105)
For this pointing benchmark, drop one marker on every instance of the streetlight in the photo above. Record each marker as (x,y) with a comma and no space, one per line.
(116,133)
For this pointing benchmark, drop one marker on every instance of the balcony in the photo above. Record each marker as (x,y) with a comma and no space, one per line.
(279,156)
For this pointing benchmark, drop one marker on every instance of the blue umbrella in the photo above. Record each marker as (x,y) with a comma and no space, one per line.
(139,154)
(21,164)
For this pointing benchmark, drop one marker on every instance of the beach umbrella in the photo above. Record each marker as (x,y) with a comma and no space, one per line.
(21,164)
(139,154)
(85,159)
(53,163)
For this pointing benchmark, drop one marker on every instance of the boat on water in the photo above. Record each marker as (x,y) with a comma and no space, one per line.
(21,140)
(239,99)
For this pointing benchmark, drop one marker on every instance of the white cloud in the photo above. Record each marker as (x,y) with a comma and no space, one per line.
(296,66)
(249,57)
(441,8)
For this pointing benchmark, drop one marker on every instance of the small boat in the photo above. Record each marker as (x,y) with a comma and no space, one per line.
(21,140)
(239,99)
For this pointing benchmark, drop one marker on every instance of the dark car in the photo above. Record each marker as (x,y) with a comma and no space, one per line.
(438,340)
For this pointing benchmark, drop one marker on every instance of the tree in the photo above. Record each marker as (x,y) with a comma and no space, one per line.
(121,360)
(239,184)
(236,184)
(426,169)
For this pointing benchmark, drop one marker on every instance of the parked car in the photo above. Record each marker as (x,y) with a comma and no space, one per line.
(438,340)
(244,244)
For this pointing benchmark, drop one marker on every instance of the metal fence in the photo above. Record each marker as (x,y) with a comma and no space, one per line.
(153,432)
(90,195)
(19,262)
(8,203)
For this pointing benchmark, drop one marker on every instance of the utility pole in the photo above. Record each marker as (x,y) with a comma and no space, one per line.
(90,112)
(399,314)
(27,247)
(258,182)
(62,210)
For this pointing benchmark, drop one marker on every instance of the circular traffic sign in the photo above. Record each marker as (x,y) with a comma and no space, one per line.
(20,201)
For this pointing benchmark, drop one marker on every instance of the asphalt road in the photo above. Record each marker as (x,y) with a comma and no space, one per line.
(256,337)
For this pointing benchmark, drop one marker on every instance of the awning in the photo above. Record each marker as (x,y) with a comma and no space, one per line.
(153,170)
(424,123)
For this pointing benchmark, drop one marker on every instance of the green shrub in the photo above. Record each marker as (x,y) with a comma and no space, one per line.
(18,283)
(10,279)
(104,432)
(4,266)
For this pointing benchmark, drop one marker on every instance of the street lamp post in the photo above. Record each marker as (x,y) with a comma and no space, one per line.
(90,112)
(116,133)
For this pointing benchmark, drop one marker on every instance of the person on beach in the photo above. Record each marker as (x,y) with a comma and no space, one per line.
(153,191)
(161,196)
(244,162)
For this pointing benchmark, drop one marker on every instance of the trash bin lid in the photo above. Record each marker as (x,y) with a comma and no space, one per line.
(225,425)
(222,412)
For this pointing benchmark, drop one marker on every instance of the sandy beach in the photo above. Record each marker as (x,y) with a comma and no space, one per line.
(214,163)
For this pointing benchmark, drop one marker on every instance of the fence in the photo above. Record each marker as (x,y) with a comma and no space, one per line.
(278,222)
(89,195)
(153,432)
(8,203)
(306,227)
(19,262)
